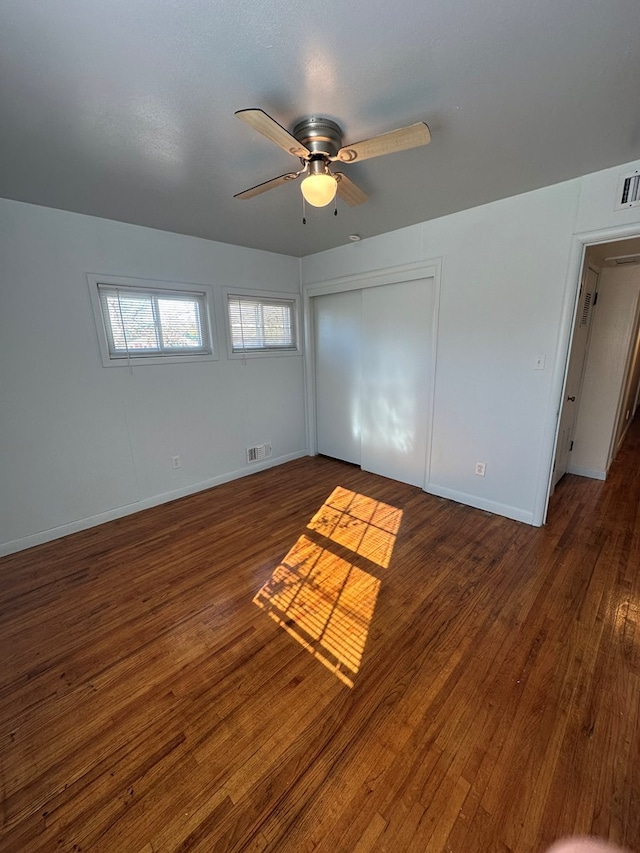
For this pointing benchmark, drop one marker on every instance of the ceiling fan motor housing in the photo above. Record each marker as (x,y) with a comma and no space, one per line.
(320,135)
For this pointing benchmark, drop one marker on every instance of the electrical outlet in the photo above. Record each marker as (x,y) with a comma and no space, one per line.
(481,468)
(176,462)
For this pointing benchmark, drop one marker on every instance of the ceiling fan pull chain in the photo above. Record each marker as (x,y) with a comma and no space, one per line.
(304,212)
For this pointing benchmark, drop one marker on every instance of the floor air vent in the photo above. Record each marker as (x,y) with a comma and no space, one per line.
(260,451)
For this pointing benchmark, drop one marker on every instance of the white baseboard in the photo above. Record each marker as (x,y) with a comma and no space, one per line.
(119,512)
(514,512)
(594,473)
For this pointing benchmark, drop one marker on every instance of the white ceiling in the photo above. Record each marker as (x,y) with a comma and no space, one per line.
(125,108)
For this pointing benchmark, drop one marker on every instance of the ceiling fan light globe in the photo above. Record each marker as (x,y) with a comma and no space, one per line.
(319,190)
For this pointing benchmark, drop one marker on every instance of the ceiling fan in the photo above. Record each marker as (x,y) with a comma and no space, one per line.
(318,144)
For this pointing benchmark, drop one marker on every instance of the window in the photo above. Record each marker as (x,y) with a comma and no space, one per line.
(262,324)
(151,321)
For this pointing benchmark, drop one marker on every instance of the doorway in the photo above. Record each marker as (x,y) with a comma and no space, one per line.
(602,381)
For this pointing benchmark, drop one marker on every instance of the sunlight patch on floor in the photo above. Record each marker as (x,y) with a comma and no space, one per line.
(326,599)
(359,523)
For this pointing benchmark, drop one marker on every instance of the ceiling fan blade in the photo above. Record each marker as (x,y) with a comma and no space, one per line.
(386,143)
(348,191)
(264,124)
(268,185)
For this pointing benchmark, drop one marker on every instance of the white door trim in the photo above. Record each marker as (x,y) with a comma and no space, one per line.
(579,244)
(359,281)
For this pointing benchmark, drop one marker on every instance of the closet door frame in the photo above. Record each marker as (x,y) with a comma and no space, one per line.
(360,281)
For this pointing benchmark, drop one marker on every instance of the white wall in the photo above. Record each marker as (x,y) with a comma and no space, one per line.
(632,390)
(508,287)
(80,443)
(614,326)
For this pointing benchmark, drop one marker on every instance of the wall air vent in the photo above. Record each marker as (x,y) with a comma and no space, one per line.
(259,452)
(628,191)
(585,308)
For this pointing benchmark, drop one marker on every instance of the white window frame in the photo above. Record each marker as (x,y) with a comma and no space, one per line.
(267,295)
(146,286)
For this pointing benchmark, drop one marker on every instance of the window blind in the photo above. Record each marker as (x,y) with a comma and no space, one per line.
(140,322)
(261,324)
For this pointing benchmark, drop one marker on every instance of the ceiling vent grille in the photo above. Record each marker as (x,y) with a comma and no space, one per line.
(259,452)
(628,191)
(586,305)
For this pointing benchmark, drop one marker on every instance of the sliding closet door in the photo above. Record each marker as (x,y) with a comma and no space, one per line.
(338,343)
(396,375)
(373,373)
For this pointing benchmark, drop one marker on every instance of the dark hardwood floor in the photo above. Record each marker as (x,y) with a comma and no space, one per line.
(147,703)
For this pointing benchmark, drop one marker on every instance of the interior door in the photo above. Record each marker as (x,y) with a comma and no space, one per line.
(575,373)
(338,351)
